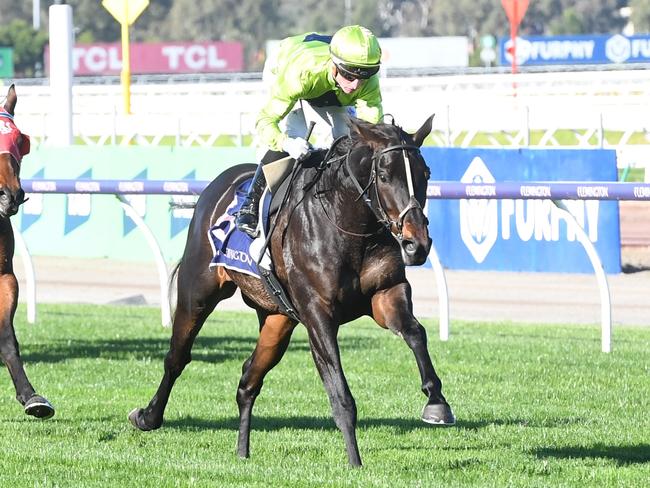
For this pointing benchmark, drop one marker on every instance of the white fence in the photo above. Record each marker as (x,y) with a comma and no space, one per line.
(581,109)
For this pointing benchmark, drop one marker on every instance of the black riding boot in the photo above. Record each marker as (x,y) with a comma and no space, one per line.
(247,216)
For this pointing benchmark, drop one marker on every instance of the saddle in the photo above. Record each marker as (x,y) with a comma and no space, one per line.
(235,250)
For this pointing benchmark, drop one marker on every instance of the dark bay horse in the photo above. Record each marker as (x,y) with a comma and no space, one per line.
(13,146)
(350,225)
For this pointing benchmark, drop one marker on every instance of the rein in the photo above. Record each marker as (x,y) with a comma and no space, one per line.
(379,211)
(327,161)
(381,214)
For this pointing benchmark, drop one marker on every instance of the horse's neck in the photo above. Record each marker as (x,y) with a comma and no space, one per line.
(343,202)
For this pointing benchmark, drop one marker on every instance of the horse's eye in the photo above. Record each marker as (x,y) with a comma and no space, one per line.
(383,177)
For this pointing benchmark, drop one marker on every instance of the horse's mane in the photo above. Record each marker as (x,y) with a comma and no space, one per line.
(362,133)
(368,134)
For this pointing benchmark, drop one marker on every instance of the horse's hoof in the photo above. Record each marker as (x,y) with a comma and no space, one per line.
(438,414)
(39,407)
(136,418)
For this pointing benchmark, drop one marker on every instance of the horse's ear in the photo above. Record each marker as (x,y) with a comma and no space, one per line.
(423,131)
(12,98)
(365,131)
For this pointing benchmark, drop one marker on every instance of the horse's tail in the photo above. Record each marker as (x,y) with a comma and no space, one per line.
(173,279)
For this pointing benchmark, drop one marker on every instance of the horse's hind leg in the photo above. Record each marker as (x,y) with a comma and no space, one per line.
(275,334)
(197,298)
(393,309)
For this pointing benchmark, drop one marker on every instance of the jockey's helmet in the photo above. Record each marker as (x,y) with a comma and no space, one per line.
(355,51)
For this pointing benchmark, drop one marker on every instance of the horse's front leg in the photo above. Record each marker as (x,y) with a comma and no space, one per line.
(393,309)
(34,404)
(325,351)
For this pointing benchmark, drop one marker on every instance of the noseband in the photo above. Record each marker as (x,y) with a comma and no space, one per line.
(381,214)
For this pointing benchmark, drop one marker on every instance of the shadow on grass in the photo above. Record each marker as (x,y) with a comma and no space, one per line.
(547,423)
(298,422)
(207,349)
(622,455)
(210,349)
(326,423)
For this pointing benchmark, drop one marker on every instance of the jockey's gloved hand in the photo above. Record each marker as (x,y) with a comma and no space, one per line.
(296,147)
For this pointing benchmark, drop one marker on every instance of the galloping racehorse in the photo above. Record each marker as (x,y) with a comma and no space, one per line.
(351,223)
(13,146)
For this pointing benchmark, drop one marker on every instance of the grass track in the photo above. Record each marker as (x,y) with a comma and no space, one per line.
(536,406)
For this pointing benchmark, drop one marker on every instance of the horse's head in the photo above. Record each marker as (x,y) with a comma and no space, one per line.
(399,176)
(13,146)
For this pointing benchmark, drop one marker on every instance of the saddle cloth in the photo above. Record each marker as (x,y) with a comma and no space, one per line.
(234,249)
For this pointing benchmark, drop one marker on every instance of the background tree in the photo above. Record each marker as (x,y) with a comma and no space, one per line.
(640,16)
(253,22)
(12,10)
(92,22)
(326,16)
(27,45)
(554,17)
(248,21)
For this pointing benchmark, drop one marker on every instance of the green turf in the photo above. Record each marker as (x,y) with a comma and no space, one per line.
(537,405)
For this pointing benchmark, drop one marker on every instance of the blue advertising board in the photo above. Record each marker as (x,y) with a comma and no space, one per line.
(583,49)
(522,234)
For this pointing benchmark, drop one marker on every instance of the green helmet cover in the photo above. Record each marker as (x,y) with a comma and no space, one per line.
(355,46)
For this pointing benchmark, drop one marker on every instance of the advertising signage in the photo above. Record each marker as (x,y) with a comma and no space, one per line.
(6,62)
(148,58)
(568,50)
(522,234)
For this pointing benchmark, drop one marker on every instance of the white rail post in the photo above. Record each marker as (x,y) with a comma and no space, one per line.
(61,44)
(601,277)
(601,130)
(163,275)
(30,278)
(448,126)
(443,295)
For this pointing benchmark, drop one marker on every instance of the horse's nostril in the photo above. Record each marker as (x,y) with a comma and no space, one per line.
(409,247)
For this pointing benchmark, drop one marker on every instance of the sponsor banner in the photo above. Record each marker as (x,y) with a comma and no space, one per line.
(412,52)
(485,233)
(592,49)
(424,52)
(93,224)
(539,189)
(6,62)
(161,57)
(517,234)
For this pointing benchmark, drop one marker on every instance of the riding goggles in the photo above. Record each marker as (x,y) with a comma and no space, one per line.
(352,73)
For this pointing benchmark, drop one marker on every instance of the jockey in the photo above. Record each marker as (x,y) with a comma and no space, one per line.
(331,74)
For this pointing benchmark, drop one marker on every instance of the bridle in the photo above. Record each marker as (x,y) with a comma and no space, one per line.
(379,211)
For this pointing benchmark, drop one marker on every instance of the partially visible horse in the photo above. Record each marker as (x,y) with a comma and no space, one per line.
(353,220)
(13,146)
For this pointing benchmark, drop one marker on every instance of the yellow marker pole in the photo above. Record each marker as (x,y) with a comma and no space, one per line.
(126,63)
(125,12)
